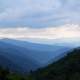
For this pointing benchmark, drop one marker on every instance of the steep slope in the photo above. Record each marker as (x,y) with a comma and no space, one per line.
(67,68)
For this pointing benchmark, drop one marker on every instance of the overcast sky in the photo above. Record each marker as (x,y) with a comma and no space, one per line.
(39,13)
(40,19)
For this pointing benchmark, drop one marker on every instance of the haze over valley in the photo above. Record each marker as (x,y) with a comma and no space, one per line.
(36,34)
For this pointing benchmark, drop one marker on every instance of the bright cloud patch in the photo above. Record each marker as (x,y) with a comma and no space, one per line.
(61,32)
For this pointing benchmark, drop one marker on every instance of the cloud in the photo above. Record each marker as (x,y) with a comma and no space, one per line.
(61,32)
(17,9)
(38,12)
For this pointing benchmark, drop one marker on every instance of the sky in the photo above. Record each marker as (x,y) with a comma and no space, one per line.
(39,13)
(61,32)
(40,19)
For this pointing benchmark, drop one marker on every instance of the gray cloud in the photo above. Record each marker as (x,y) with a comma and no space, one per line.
(37,12)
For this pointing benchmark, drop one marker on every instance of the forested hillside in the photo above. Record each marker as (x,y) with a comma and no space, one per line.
(67,68)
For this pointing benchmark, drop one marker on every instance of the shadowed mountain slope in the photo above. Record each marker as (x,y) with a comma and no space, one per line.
(67,68)
(29,56)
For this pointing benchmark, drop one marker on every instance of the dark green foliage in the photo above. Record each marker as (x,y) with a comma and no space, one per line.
(5,74)
(67,68)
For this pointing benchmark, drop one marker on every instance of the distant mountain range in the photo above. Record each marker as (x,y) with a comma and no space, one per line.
(25,56)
